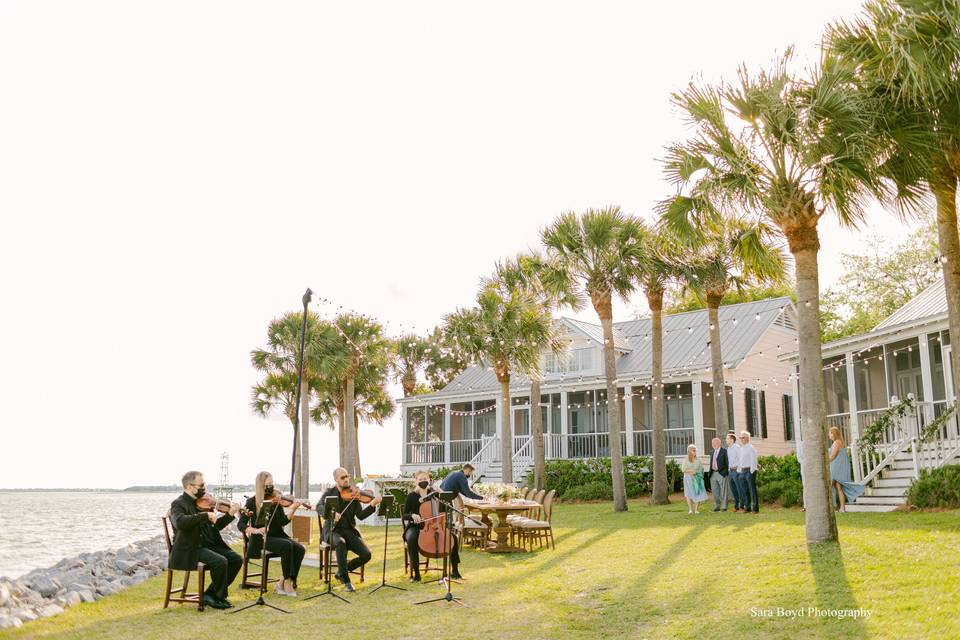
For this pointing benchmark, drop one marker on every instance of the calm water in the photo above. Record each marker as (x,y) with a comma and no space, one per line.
(38,529)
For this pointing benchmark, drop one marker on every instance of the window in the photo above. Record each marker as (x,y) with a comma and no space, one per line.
(569,362)
(788,425)
(756,405)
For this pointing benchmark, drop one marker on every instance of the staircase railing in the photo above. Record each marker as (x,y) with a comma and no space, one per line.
(896,438)
(489,452)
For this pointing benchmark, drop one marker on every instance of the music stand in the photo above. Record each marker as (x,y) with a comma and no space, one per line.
(385,503)
(261,516)
(329,506)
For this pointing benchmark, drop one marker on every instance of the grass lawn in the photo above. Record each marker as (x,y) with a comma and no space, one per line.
(647,573)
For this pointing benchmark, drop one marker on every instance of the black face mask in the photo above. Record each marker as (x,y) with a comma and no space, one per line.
(201,491)
(423,484)
(268,490)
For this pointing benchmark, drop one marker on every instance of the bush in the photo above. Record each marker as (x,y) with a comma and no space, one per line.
(937,488)
(583,479)
(593,490)
(788,492)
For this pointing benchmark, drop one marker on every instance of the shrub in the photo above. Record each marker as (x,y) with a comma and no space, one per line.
(787,492)
(937,488)
(778,480)
(581,479)
(593,490)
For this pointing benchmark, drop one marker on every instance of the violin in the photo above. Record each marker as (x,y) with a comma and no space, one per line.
(433,541)
(212,503)
(353,492)
(286,500)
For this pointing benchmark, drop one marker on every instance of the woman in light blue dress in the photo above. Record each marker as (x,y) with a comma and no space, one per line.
(693,488)
(840,471)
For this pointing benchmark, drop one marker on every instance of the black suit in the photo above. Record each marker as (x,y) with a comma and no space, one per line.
(343,535)
(290,551)
(718,478)
(194,541)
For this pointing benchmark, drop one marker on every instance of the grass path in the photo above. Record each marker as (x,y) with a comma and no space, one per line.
(648,573)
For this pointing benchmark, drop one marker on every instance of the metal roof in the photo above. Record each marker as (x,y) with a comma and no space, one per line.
(685,344)
(932,301)
(594,332)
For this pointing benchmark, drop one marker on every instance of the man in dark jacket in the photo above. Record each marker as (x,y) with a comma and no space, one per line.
(188,548)
(458,483)
(340,531)
(718,475)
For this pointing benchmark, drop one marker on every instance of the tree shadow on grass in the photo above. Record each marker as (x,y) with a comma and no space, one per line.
(833,589)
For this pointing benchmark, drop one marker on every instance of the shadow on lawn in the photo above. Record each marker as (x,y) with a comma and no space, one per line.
(833,588)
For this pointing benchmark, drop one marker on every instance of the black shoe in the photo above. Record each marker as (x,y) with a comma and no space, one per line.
(455,575)
(228,603)
(415,577)
(716,508)
(214,602)
(724,509)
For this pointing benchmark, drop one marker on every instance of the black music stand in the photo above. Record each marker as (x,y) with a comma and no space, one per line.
(385,503)
(445,498)
(329,506)
(261,516)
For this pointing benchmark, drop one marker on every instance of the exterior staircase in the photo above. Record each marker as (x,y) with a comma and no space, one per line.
(521,467)
(889,489)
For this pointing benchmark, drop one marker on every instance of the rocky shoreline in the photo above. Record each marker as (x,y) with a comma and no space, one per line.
(46,592)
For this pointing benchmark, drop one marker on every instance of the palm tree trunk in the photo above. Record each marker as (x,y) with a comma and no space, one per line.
(536,432)
(303,486)
(660,494)
(341,436)
(716,364)
(409,384)
(820,520)
(506,433)
(945,192)
(605,311)
(349,410)
(356,445)
(297,459)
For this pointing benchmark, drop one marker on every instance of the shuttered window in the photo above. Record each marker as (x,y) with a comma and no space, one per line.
(751,408)
(788,417)
(763,414)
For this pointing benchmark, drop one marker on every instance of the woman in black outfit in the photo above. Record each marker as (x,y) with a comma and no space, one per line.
(412,525)
(290,551)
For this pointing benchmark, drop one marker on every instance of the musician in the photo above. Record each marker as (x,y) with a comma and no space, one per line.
(413,524)
(290,551)
(340,531)
(458,483)
(191,528)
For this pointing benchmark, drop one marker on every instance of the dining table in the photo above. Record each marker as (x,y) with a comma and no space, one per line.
(502,509)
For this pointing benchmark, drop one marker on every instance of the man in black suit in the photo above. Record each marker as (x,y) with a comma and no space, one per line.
(718,475)
(340,531)
(191,526)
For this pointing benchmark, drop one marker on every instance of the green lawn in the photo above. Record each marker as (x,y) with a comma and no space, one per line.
(648,573)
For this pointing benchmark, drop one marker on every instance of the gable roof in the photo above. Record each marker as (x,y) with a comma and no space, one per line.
(685,344)
(929,303)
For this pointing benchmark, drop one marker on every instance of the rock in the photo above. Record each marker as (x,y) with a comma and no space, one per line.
(86,595)
(49,610)
(26,615)
(9,622)
(70,598)
(127,566)
(4,594)
(45,586)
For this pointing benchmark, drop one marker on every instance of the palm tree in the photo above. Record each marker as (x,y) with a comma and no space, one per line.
(411,353)
(444,360)
(598,252)
(907,59)
(720,253)
(367,355)
(505,330)
(792,151)
(531,274)
(656,270)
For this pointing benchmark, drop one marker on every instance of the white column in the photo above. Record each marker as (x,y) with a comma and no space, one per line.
(854,426)
(498,421)
(698,417)
(446,434)
(564,424)
(406,435)
(925,369)
(628,417)
(733,403)
(795,401)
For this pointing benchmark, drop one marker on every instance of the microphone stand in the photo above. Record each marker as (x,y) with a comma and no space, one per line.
(385,503)
(329,506)
(449,509)
(263,566)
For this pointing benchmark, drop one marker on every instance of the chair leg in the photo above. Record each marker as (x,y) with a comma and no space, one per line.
(166,595)
(201,580)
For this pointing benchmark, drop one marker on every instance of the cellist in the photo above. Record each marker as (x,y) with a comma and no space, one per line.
(413,523)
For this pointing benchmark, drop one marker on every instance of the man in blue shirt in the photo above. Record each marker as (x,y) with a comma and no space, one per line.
(457,482)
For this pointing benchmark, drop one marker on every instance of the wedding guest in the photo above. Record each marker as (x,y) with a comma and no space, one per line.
(693,488)
(733,473)
(748,474)
(840,471)
(718,475)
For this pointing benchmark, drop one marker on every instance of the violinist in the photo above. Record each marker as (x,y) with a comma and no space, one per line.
(340,531)
(413,524)
(268,501)
(190,541)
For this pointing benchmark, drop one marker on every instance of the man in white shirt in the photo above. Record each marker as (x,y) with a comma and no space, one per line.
(747,467)
(733,464)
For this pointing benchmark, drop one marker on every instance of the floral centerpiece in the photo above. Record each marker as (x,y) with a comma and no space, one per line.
(497,492)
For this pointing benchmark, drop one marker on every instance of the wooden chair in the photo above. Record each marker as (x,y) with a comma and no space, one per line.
(539,530)
(424,562)
(475,533)
(328,558)
(181,595)
(261,579)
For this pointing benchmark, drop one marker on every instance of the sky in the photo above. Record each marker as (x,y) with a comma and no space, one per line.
(174,175)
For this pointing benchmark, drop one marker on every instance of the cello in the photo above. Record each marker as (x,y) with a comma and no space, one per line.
(434,540)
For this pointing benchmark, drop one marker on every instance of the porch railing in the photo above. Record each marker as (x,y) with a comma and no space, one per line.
(425,453)
(464,450)
(676,441)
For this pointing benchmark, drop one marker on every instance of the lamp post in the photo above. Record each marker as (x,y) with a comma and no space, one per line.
(296,422)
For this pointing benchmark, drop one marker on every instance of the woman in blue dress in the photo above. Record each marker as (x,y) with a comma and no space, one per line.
(693,488)
(840,471)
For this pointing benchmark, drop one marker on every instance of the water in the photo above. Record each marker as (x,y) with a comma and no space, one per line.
(38,529)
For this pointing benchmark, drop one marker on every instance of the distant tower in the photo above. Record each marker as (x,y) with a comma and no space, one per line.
(225,489)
